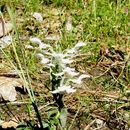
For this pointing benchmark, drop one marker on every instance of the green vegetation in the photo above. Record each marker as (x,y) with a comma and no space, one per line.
(100,102)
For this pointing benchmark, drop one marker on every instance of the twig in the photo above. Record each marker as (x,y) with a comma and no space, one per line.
(15,103)
(121,107)
(9,74)
(111,101)
(3,25)
(74,118)
(89,125)
(9,112)
(106,70)
(46,105)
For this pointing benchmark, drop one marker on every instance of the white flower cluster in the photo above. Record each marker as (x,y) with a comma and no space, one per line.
(51,59)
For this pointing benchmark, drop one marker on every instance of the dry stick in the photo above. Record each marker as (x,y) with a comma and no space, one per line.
(16,103)
(35,108)
(125,62)
(121,101)
(103,73)
(3,26)
(120,107)
(89,125)
(74,118)
(112,101)
(106,71)
(11,113)
(24,103)
(9,75)
(44,106)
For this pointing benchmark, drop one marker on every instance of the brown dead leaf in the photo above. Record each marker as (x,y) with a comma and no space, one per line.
(7,28)
(9,124)
(52,37)
(69,26)
(7,87)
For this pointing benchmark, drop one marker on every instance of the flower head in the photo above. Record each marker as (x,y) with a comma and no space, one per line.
(40,43)
(40,55)
(59,65)
(29,47)
(70,71)
(71,51)
(35,40)
(80,78)
(64,89)
(45,60)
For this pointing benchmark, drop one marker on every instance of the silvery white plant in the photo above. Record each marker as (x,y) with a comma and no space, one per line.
(63,77)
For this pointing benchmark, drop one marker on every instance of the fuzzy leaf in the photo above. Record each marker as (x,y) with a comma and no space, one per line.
(63,117)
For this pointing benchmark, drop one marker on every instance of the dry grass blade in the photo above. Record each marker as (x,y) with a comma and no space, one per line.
(89,125)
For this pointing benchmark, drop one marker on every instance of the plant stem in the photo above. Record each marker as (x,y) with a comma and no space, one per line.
(57,97)
(59,100)
(34,104)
